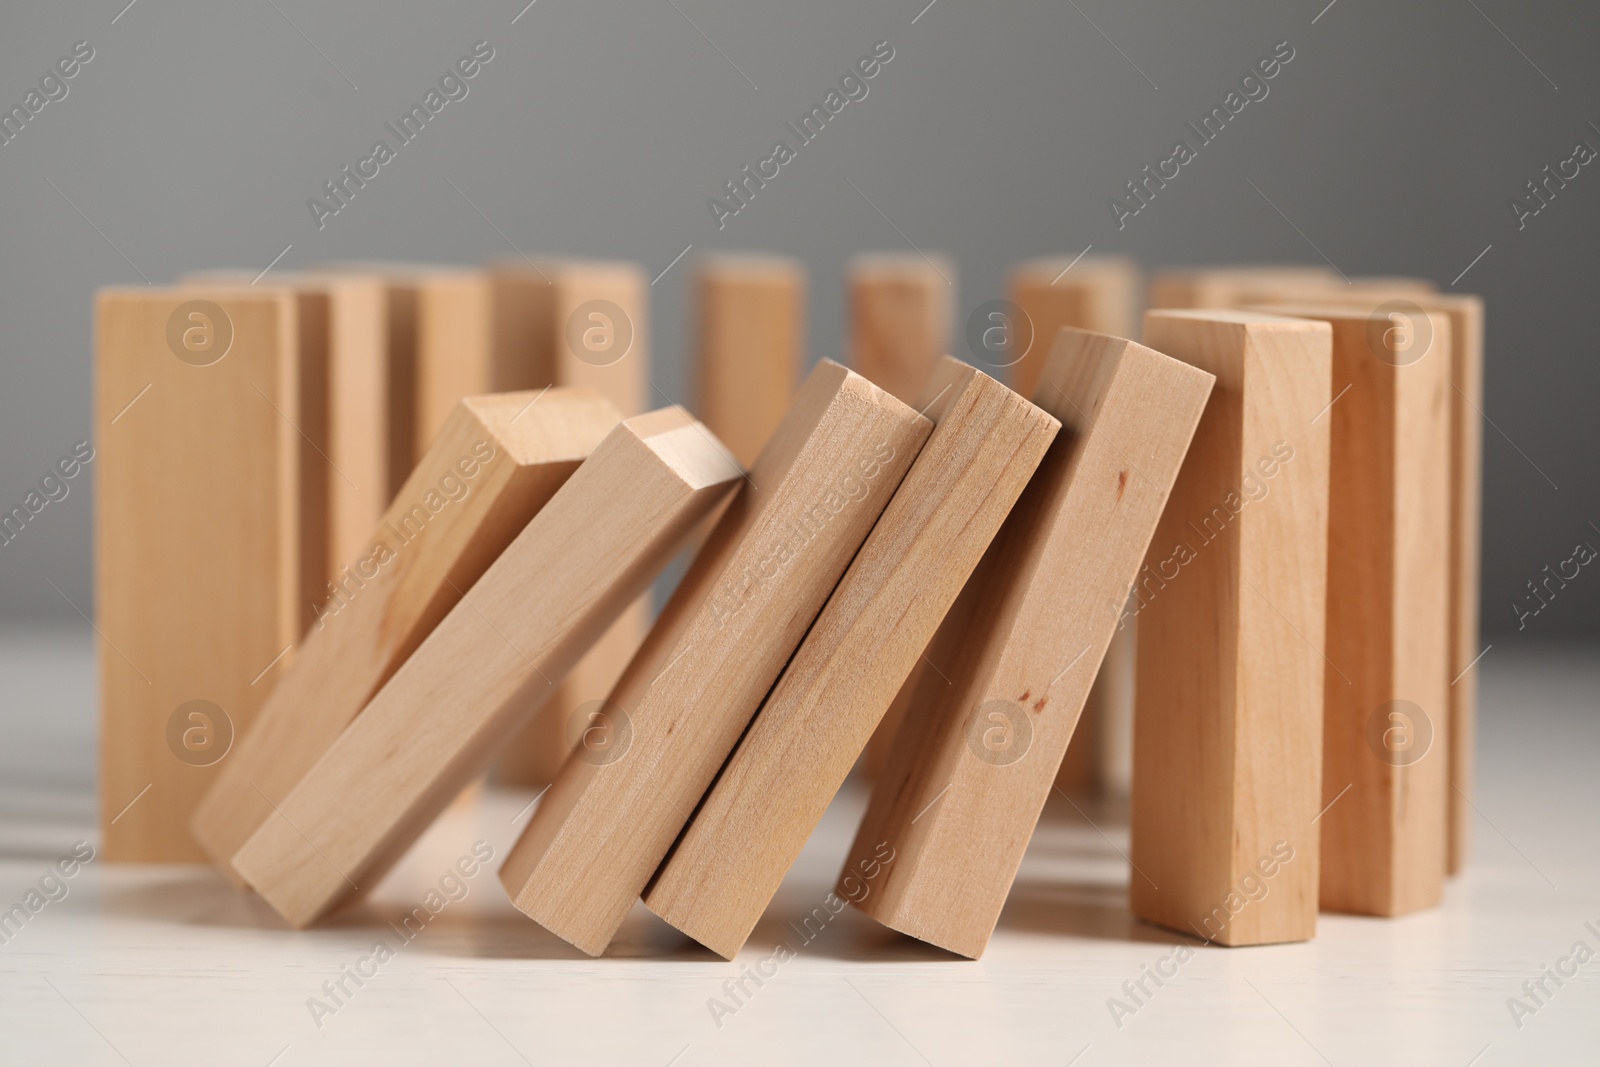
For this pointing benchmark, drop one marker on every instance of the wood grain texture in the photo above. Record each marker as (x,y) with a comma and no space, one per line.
(1386,728)
(973,763)
(750,347)
(197,546)
(495,463)
(1100,294)
(587,325)
(436,724)
(724,637)
(1465,313)
(752,824)
(1231,604)
(899,313)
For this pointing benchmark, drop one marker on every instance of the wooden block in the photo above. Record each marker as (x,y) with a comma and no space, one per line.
(751,346)
(1386,729)
(1227,756)
(986,444)
(494,465)
(900,308)
(1466,500)
(587,324)
(198,542)
(437,723)
(460,352)
(1100,294)
(973,762)
(1235,287)
(729,629)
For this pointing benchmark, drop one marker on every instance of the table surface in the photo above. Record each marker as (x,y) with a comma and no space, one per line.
(167,965)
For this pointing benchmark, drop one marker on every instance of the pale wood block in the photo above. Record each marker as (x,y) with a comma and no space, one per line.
(1231,605)
(199,542)
(752,824)
(1465,313)
(974,760)
(1233,287)
(1386,732)
(495,463)
(811,499)
(899,311)
(1100,294)
(586,323)
(439,720)
(750,313)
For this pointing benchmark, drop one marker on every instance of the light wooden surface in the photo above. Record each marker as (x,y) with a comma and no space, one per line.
(899,313)
(460,352)
(750,346)
(720,644)
(586,324)
(1234,287)
(755,820)
(198,550)
(1227,755)
(168,965)
(495,463)
(1386,732)
(437,723)
(975,758)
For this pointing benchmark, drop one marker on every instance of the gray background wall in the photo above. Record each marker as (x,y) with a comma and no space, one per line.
(998,131)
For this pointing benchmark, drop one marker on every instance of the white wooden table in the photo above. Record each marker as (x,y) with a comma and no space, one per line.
(167,965)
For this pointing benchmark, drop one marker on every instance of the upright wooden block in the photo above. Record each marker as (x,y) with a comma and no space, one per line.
(1227,757)
(369,332)
(754,821)
(729,629)
(587,324)
(1466,500)
(900,307)
(1100,294)
(198,543)
(494,465)
(1386,731)
(973,763)
(440,718)
(750,350)
(1235,287)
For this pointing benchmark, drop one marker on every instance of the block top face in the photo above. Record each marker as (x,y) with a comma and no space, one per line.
(1248,272)
(1237,316)
(546,425)
(681,440)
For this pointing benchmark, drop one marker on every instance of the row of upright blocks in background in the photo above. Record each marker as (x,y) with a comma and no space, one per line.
(365,531)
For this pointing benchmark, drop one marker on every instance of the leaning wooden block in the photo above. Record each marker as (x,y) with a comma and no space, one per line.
(1386,728)
(811,499)
(973,763)
(900,309)
(494,465)
(748,830)
(197,544)
(1227,755)
(438,721)
(584,323)
(751,346)
(1410,334)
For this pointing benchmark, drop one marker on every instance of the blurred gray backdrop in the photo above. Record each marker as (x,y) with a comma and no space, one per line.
(1390,144)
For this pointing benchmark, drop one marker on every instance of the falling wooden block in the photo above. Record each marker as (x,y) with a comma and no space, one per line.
(729,629)
(1100,294)
(439,720)
(199,540)
(751,346)
(588,325)
(1227,755)
(900,308)
(371,336)
(752,824)
(1386,727)
(494,465)
(1466,498)
(973,763)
